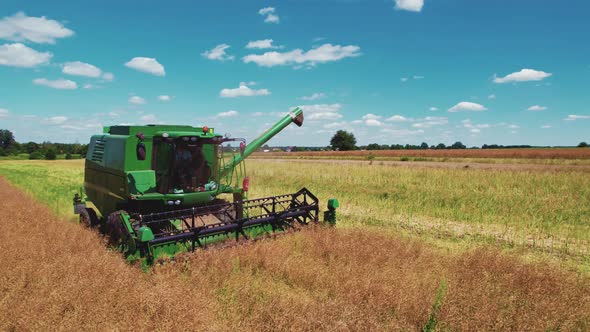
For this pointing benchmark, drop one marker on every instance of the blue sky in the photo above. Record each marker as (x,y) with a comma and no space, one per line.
(405,71)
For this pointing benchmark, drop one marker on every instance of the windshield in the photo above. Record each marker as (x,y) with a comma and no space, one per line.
(182,166)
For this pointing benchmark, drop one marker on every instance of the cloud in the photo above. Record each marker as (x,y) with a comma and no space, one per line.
(522,76)
(269,12)
(536,108)
(164,98)
(372,120)
(321,111)
(257,114)
(403,79)
(573,117)
(467,106)
(136,100)
(402,132)
(261,44)
(56,84)
(492,96)
(149,118)
(322,54)
(335,125)
(314,96)
(108,76)
(243,91)
(431,121)
(146,65)
(397,118)
(228,114)
(81,69)
(56,120)
(21,27)
(432,109)
(417,77)
(409,5)
(3,112)
(474,128)
(545,126)
(218,53)
(19,55)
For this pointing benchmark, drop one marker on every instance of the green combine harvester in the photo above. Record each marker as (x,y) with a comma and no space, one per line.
(158,190)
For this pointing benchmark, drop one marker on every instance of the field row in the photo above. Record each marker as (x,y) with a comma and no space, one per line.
(556,154)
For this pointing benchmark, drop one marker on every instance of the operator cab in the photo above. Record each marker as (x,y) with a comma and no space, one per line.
(184,164)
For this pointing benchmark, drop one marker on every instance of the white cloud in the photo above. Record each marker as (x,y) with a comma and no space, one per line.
(88,86)
(149,118)
(81,69)
(321,111)
(431,121)
(433,109)
(475,130)
(371,116)
(56,84)
(3,112)
(335,125)
(314,96)
(513,126)
(243,91)
(402,132)
(261,44)
(56,120)
(522,76)
(397,118)
(257,114)
(536,108)
(404,79)
(573,117)
(218,53)
(372,120)
(467,106)
(146,65)
(228,114)
(108,76)
(269,12)
(164,98)
(417,77)
(409,5)
(545,126)
(322,54)
(492,96)
(21,27)
(136,100)
(19,55)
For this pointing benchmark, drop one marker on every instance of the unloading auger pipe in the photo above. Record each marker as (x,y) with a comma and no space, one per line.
(295,116)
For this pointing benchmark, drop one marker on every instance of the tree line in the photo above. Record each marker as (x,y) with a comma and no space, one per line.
(46,150)
(345,141)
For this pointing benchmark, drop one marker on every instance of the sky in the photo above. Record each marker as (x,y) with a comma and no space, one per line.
(390,71)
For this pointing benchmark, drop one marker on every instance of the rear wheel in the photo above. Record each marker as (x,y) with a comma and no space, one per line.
(118,235)
(88,218)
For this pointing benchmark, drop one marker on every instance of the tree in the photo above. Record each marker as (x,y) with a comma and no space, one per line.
(343,141)
(50,154)
(441,146)
(458,145)
(68,156)
(6,138)
(583,145)
(424,146)
(36,155)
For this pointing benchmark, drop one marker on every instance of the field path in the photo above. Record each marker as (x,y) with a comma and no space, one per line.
(442,164)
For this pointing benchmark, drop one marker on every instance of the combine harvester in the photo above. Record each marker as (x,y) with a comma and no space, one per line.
(154,190)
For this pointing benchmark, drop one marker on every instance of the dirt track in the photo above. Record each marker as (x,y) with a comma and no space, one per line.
(441,164)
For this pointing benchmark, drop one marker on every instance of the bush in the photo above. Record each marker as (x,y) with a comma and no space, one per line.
(50,154)
(68,156)
(583,145)
(36,155)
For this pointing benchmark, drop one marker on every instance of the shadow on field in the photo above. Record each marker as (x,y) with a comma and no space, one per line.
(58,275)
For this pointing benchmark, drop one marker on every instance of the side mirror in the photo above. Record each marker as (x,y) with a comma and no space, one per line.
(140,150)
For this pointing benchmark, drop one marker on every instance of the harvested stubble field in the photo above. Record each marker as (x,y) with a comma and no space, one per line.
(370,273)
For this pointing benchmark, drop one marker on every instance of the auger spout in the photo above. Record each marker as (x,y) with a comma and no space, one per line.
(295,116)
